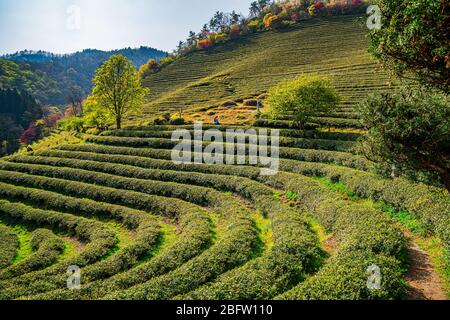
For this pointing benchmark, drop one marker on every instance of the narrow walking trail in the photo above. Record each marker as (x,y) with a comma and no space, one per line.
(424,283)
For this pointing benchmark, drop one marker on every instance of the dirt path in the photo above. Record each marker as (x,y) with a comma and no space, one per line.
(423,280)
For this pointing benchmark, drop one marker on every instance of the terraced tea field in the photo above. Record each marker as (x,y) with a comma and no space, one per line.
(143,227)
(251,65)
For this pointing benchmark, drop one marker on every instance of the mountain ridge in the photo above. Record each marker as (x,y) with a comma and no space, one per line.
(50,78)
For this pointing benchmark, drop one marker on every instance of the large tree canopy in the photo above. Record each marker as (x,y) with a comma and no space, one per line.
(414,40)
(410,130)
(118,89)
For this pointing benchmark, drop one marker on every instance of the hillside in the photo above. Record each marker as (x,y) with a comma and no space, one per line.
(49,78)
(143,227)
(249,66)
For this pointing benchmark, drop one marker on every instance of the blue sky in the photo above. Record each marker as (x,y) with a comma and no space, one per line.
(52,25)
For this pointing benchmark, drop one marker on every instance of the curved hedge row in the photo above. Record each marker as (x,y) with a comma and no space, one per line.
(296,253)
(235,248)
(101,240)
(209,180)
(366,237)
(292,133)
(145,226)
(306,143)
(46,246)
(229,253)
(326,156)
(147,158)
(241,229)
(169,207)
(116,176)
(9,244)
(428,204)
(130,218)
(315,122)
(338,122)
(194,238)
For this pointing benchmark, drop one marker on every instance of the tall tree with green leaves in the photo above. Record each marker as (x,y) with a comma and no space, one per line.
(414,40)
(118,89)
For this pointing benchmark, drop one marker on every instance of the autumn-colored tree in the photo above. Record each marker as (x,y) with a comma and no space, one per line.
(30,135)
(235,31)
(205,43)
(149,68)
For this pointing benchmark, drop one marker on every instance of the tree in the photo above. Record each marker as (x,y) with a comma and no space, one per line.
(301,98)
(32,134)
(414,40)
(118,89)
(215,23)
(234,17)
(192,39)
(95,115)
(409,130)
(204,33)
(149,68)
(254,10)
(180,47)
(74,98)
(257,7)
(10,132)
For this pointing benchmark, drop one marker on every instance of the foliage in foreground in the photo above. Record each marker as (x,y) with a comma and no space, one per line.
(409,130)
(414,39)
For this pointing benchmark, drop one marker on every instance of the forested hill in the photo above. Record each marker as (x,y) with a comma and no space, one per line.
(50,78)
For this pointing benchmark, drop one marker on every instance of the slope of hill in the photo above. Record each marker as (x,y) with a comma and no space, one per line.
(50,78)
(249,66)
(141,226)
(148,228)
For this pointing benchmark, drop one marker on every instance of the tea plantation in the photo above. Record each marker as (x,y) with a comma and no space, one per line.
(336,46)
(143,227)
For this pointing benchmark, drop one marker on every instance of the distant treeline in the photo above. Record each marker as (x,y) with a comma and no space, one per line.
(51,78)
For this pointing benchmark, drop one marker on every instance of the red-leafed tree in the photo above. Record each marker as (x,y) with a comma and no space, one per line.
(51,121)
(30,135)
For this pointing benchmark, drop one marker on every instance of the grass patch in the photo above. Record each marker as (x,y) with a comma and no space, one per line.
(322,234)
(264,226)
(70,251)
(25,249)
(405,219)
(123,235)
(337,187)
(169,235)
